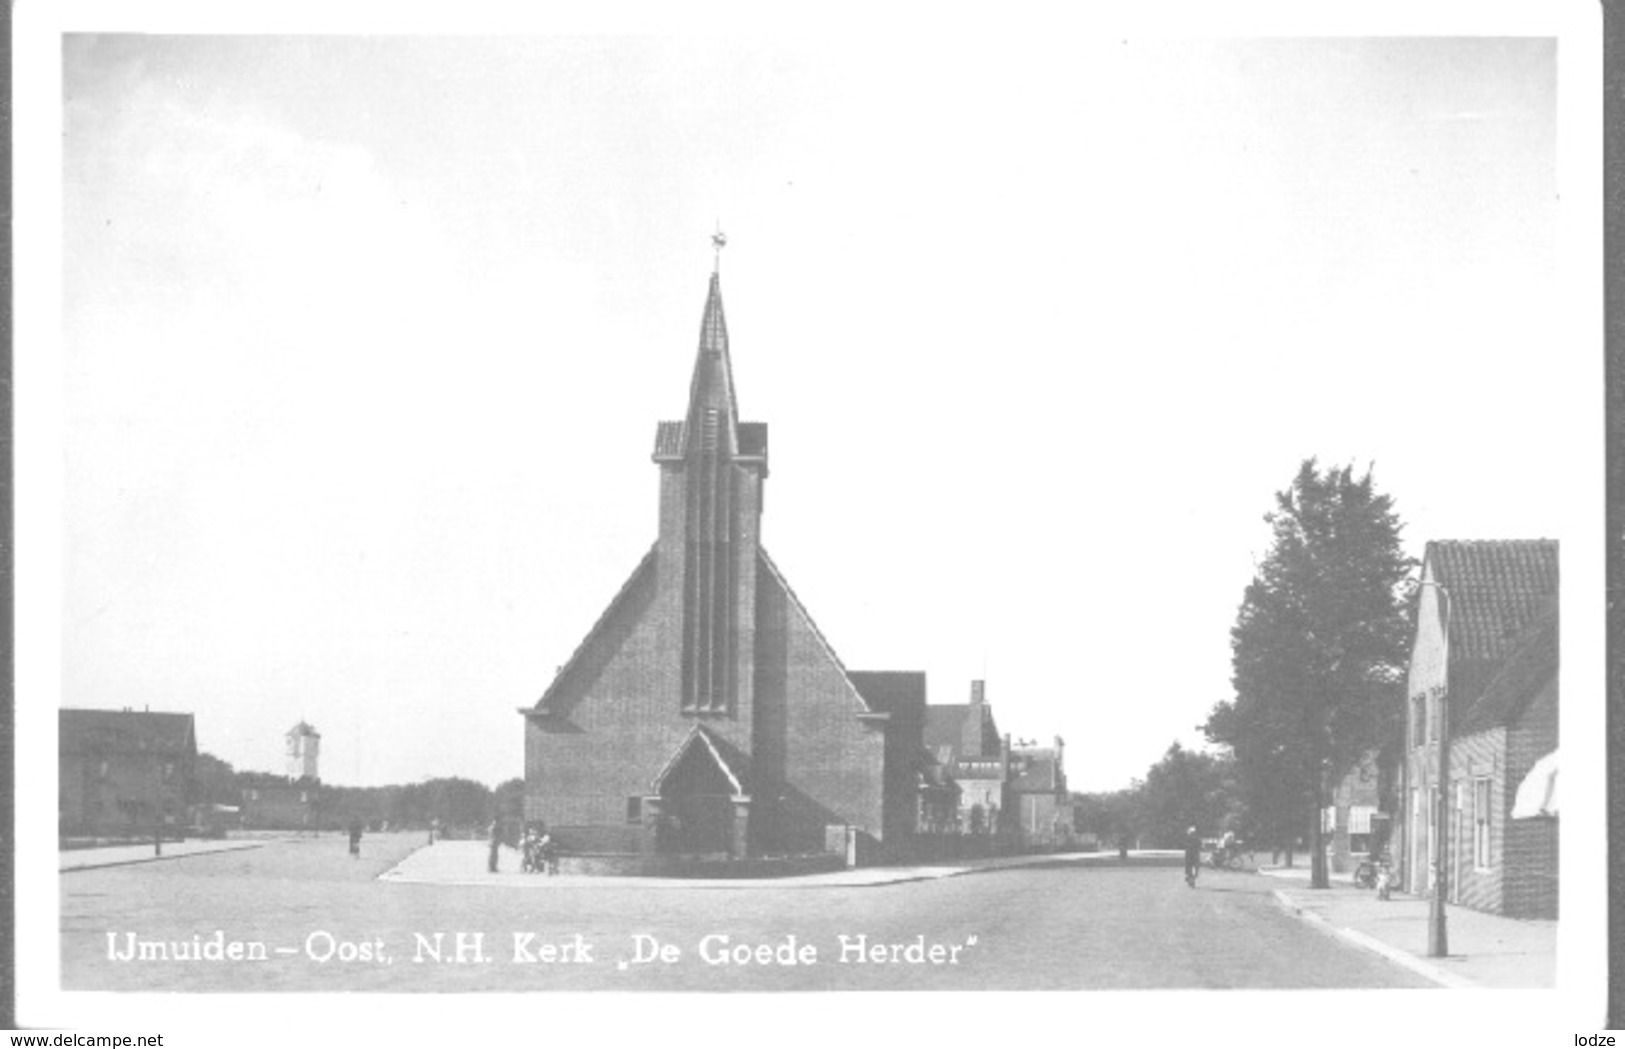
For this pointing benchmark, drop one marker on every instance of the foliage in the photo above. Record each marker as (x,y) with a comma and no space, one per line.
(1318,648)
(214,782)
(1186,789)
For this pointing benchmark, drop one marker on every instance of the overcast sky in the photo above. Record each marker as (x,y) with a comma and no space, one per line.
(366,340)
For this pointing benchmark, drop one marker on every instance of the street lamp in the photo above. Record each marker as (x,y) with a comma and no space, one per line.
(1438,936)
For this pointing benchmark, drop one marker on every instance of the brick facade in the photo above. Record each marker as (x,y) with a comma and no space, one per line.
(122,773)
(1498,672)
(705,712)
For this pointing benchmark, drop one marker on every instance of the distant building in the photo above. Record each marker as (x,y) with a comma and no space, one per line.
(124,772)
(705,714)
(1038,792)
(1486,649)
(280,806)
(304,752)
(964,740)
(1353,822)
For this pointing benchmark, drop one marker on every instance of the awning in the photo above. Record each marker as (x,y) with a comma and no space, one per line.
(1537,794)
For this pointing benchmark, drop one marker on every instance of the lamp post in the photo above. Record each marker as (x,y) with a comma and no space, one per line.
(1438,934)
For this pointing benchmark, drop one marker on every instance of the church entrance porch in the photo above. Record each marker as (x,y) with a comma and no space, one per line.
(699,805)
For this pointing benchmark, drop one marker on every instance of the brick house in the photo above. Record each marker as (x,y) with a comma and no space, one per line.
(1486,650)
(965,742)
(122,771)
(705,714)
(1042,806)
(1352,821)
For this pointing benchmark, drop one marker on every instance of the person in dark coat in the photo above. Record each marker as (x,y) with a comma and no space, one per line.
(355,838)
(1193,856)
(496,843)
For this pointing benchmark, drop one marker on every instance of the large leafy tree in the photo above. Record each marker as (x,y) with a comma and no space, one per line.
(1318,650)
(1185,789)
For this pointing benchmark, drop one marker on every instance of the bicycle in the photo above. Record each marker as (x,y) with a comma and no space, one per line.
(1229,859)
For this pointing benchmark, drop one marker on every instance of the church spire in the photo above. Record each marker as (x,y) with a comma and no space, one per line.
(711,471)
(713,414)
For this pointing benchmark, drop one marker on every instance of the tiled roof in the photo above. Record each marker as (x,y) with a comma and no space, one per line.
(124,731)
(669,439)
(948,725)
(1496,588)
(1528,668)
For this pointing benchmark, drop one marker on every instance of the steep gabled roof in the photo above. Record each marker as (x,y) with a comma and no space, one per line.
(948,724)
(124,732)
(1527,669)
(1497,589)
(945,725)
(713,748)
(606,620)
(777,576)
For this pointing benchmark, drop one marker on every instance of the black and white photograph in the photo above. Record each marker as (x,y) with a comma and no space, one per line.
(1176,565)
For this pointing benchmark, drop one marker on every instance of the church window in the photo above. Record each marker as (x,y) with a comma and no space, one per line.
(708,435)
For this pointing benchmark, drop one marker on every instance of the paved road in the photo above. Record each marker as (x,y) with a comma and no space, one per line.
(1054,926)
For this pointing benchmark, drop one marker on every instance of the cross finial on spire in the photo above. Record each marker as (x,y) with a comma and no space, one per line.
(718,241)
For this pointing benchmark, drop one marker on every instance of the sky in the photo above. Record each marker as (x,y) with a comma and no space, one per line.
(365,340)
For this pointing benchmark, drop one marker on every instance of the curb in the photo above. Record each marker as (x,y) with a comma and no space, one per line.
(1404,959)
(157,859)
(834,880)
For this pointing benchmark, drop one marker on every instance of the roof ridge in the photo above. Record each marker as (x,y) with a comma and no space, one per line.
(598,624)
(789,591)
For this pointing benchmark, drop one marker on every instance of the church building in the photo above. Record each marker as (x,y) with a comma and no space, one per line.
(705,713)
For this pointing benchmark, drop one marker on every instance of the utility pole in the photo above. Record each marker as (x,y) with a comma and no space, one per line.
(1438,934)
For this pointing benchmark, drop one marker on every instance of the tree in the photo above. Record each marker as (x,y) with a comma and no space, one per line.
(1112,817)
(508,801)
(1185,789)
(1318,649)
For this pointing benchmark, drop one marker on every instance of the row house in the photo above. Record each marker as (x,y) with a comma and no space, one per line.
(1482,686)
(124,772)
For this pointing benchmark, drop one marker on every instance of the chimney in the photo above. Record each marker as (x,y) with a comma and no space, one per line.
(972,742)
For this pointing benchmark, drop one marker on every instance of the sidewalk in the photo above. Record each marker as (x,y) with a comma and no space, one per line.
(464,863)
(1486,950)
(119,855)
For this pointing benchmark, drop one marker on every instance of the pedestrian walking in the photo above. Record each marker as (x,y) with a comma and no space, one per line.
(434,829)
(548,850)
(1193,856)
(355,839)
(496,843)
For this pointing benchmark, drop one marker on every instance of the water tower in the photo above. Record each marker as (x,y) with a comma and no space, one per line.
(304,746)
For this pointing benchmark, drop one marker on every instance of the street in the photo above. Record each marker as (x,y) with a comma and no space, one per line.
(302,915)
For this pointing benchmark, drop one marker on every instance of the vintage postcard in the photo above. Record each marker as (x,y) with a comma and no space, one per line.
(563,525)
